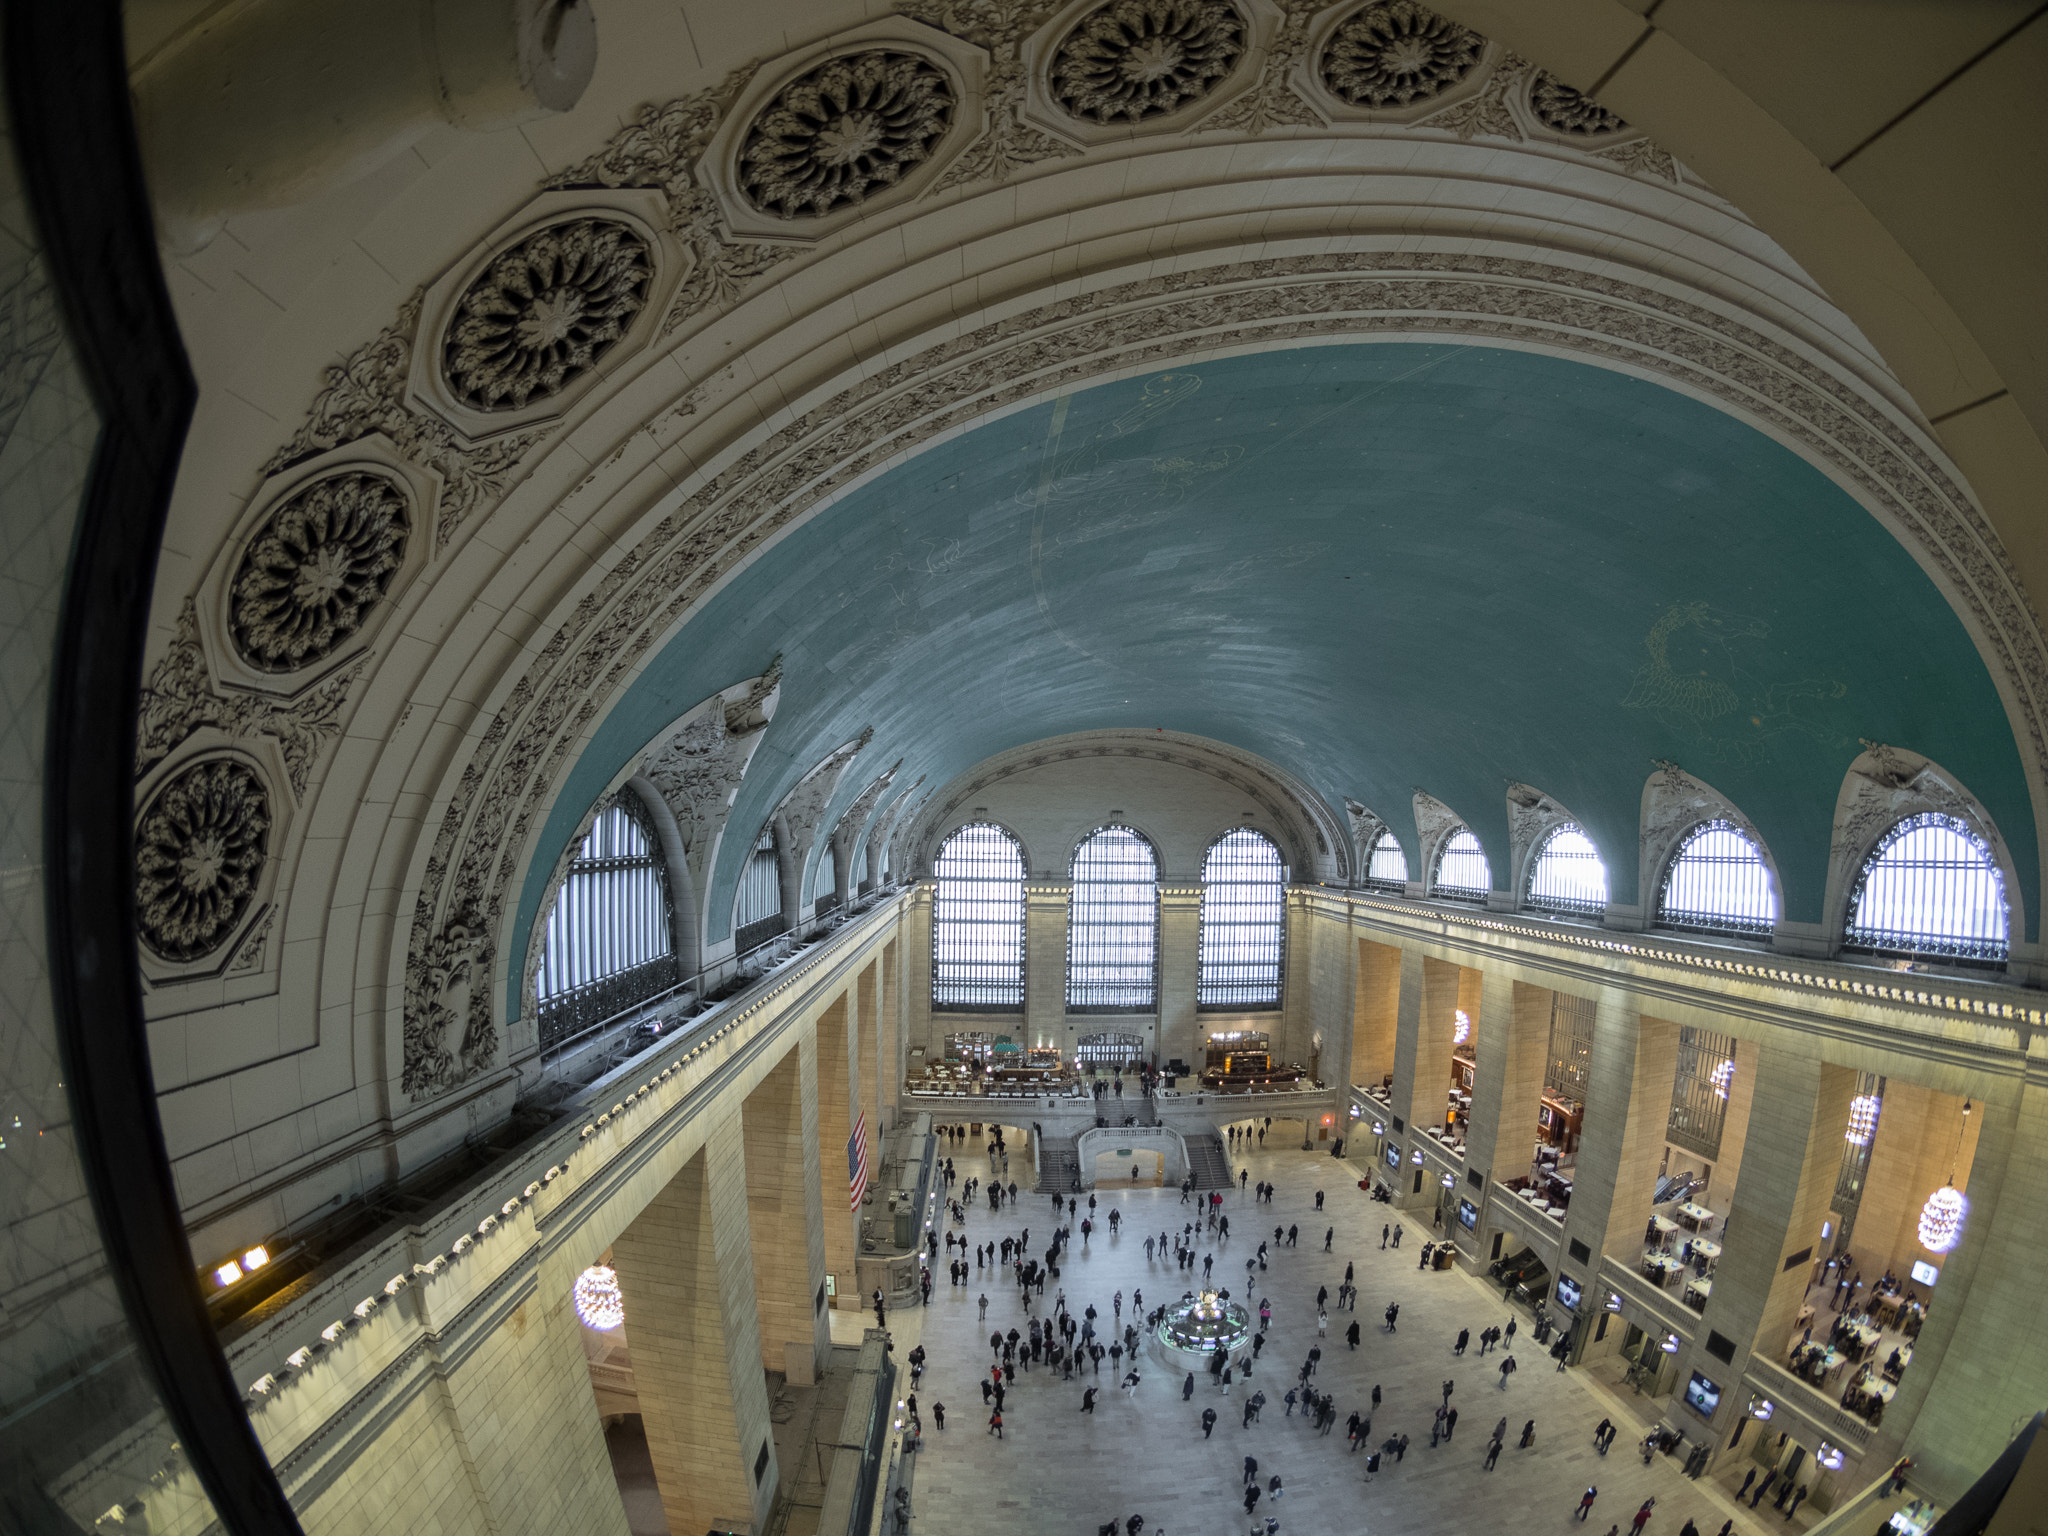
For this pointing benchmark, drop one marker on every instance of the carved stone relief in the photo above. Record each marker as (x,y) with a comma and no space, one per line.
(801,810)
(449,1033)
(1564,110)
(1366,828)
(543,313)
(1000,27)
(885,827)
(846,833)
(200,844)
(850,128)
(1138,59)
(1397,54)
(320,562)
(1531,816)
(699,767)
(1674,802)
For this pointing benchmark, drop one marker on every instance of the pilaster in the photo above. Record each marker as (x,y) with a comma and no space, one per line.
(1375,1012)
(1513,1049)
(1045,964)
(1180,938)
(786,1214)
(1630,1069)
(686,1273)
(836,1092)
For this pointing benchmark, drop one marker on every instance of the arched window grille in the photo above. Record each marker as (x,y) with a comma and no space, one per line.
(1717,882)
(1244,885)
(1386,867)
(1858,1136)
(1462,872)
(1113,923)
(1699,1090)
(757,909)
(1931,887)
(978,920)
(606,945)
(825,883)
(1566,875)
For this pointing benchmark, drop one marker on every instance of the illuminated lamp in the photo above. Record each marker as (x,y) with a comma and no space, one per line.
(228,1273)
(597,1297)
(1941,1218)
(1670,1343)
(1862,1120)
(1462,1031)
(1724,1075)
(255,1258)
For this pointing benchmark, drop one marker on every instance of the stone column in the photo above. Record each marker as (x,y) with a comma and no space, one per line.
(1333,984)
(1375,1011)
(1982,1355)
(916,928)
(836,1089)
(1513,1026)
(1422,1045)
(1045,965)
(686,1273)
(786,1214)
(1791,1156)
(868,1101)
(1180,937)
(889,1034)
(1630,1070)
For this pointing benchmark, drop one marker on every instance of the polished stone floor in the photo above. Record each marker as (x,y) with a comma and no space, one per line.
(1058,1470)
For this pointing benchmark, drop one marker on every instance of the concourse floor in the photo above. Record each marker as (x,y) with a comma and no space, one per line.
(1059,1470)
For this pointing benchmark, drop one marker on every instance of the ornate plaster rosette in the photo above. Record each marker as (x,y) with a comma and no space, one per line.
(1560,108)
(1396,54)
(850,128)
(199,849)
(542,314)
(317,567)
(1136,59)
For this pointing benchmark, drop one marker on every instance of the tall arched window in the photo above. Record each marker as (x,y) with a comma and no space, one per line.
(825,881)
(1566,875)
(1718,882)
(1462,872)
(1386,867)
(757,908)
(1113,923)
(978,920)
(1931,887)
(607,944)
(1244,885)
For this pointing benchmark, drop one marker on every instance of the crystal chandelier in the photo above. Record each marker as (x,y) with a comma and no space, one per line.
(1862,1120)
(1463,1029)
(1724,1075)
(598,1301)
(1941,1218)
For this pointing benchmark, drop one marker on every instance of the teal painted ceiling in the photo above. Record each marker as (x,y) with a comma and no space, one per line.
(1384,567)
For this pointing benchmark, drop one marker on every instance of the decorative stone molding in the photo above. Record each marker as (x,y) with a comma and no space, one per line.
(1602,317)
(1674,802)
(1883,787)
(797,817)
(853,821)
(1274,102)
(541,314)
(999,27)
(1366,827)
(884,826)
(1396,56)
(1134,60)
(449,1032)
(1434,824)
(200,846)
(850,127)
(548,304)
(868,119)
(320,562)
(1570,112)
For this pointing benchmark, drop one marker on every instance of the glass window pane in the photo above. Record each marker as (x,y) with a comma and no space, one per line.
(1931,887)
(1244,883)
(1718,882)
(608,945)
(1567,875)
(978,920)
(1461,868)
(1113,923)
(1387,869)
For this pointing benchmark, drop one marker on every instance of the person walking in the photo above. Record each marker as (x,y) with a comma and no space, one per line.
(1251,1497)
(1322,1323)
(1251,1469)
(1384,1230)
(1393,1311)
(1208,1422)
(1397,1234)
(1448,1384)
(1088,1399)
(1601,1431)
(1351,1334)
(1763,1487)
(1450,1423)
(984,1306)
(1464,1338)
(1750,1477)
(1187,1389)
(1329,1237)
(1507,1369)
(1642,1517)
(995,1423)
(1492,1454)
(1528,1436)
(1586,1502)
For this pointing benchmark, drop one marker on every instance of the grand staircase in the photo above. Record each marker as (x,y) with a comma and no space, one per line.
(1208,1163)
(1059,1165)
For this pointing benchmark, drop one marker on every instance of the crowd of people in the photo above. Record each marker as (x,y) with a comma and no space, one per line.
(1040,1329)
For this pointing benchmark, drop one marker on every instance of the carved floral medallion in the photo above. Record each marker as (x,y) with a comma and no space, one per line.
(1397,53)
(199,849)
(317,567)
(542,314)
(1557,106)
(1138,59)
(850,128)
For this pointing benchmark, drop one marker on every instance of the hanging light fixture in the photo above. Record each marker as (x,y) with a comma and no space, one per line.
(1941,1218)
(1724,1075)
(1462,1031)
(1862,1120)
(598,1300)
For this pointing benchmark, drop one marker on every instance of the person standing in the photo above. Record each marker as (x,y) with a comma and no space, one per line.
(1464,1338)
(1329,1237)
(995,1423)
(1642,1517)
(1208,1422)
(1450,1423)
(1793,1508)
(1528,1436)
(881,1315)
(1748,1478)
(1606,1426)
(1251,1469)
(1586,1502)
(1397,1235)
(939,1417)
(1384,1230)
(1319,1199)
(1088,1400)
(1351,1334)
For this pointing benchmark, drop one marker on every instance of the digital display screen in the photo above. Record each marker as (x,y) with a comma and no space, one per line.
(1568,1292)
(1468,1215)
(1702,1395)
(1393,1155)
(1925,1272)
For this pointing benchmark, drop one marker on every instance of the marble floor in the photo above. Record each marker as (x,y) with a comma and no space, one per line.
(1058,1470)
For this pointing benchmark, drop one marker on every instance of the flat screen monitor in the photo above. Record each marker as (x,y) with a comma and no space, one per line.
(1702,1395)
(1393,1155)
(1568,1292)
(1924,1272)
(1468,1215)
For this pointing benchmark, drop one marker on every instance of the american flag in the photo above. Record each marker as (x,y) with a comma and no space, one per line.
(857,1162)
